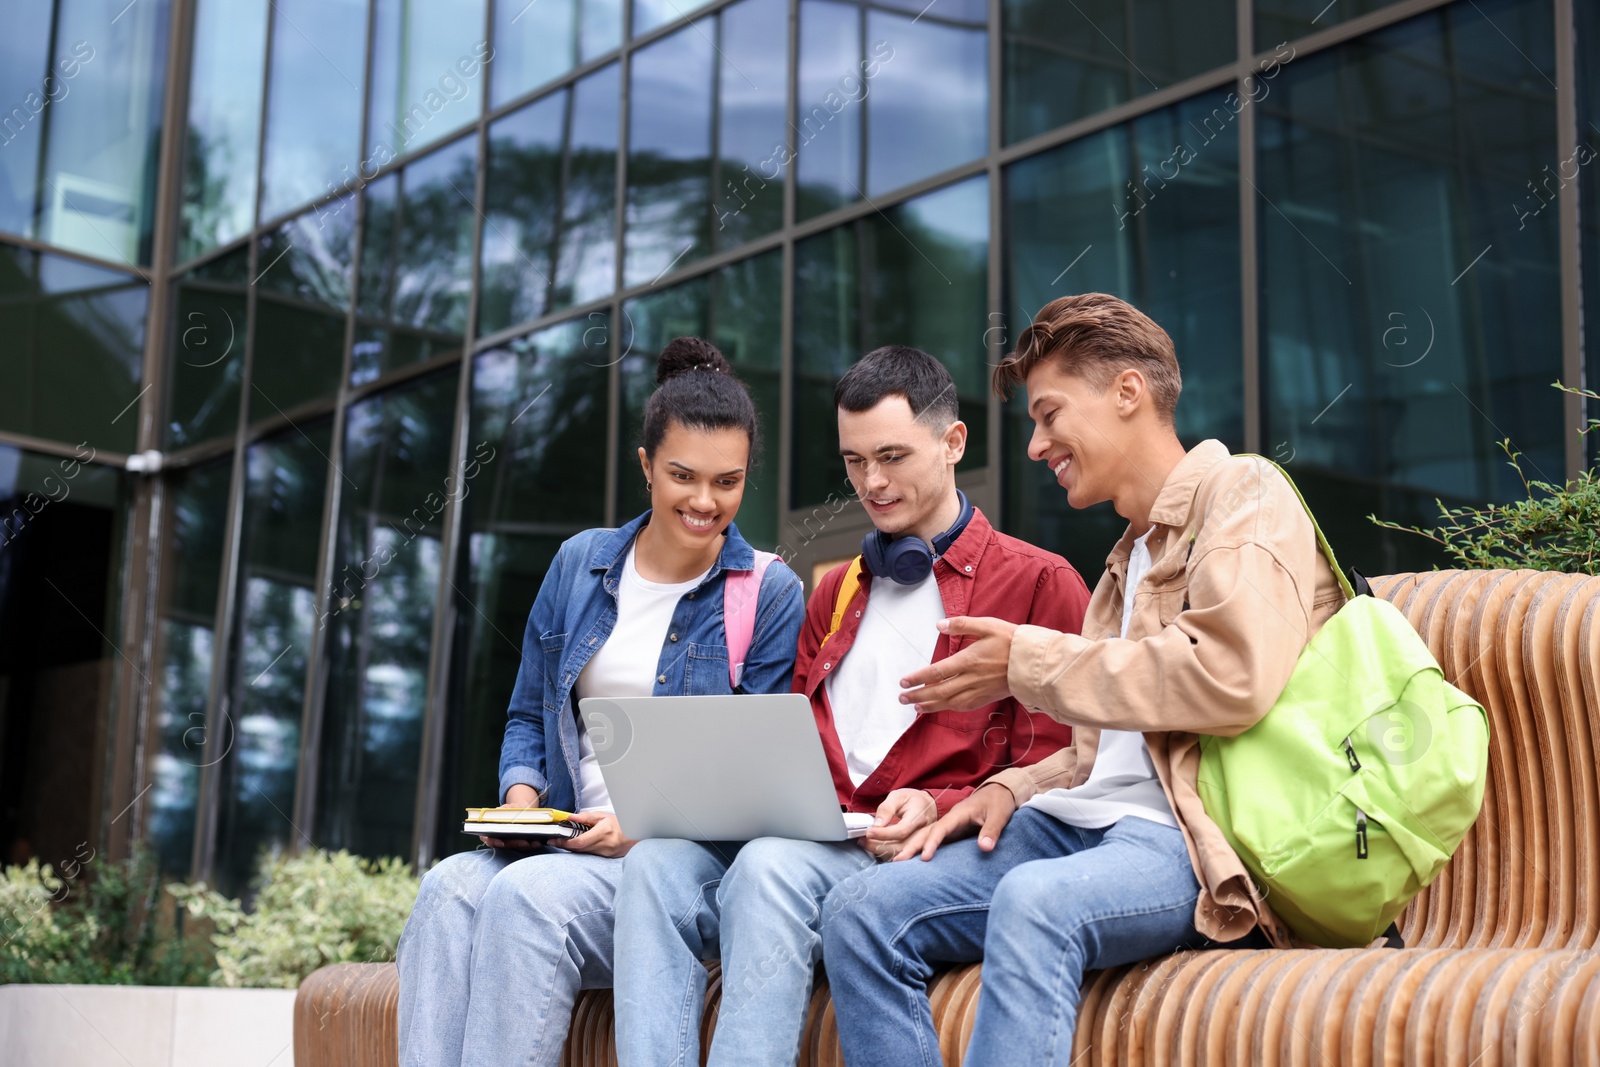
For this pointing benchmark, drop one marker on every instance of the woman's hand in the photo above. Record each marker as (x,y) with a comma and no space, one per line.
(900,824)
(518,796)
(602,838)
(989,807)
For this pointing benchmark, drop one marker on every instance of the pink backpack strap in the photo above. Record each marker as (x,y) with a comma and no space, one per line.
(741,591)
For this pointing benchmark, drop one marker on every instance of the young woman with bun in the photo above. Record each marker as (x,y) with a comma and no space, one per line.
(501,939)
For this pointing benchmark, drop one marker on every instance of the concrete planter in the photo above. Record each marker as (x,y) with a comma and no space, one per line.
(145,1026)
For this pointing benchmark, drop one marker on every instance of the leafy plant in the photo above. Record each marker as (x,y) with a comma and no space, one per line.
(311,909)
(103,924)
(1556,528)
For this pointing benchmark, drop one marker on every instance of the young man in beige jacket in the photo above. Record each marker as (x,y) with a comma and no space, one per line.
(1101,854)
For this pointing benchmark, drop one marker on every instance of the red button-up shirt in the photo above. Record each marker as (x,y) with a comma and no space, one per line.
(948,753)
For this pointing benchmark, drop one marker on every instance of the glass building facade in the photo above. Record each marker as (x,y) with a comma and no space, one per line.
(322,324)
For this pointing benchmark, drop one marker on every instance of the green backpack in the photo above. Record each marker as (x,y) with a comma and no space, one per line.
(1351,794)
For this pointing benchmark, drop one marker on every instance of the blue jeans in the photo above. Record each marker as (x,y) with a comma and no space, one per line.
(495,951)
(1049,903)
(758,906)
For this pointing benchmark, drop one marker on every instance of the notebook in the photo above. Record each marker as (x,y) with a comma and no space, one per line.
(504,822)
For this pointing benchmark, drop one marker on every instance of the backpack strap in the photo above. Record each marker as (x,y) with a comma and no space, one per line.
(847,593)
(1322,538)
(741,594)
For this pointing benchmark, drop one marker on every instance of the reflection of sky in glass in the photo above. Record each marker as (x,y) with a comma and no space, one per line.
(828,136)
(916,125)
(22,63)
(219,195)
(427,71)
(587,261)
(538,40)
(648,14)
(669,151)
(314,101)
(522,212)
(919,125)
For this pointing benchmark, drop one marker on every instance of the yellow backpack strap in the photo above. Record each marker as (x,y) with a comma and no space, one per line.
(847,592)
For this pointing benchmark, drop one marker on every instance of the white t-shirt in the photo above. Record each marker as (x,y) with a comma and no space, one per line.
(625,666)
(897,636)
(1123,780)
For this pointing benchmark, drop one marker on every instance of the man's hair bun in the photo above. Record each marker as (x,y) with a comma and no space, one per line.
(685,354)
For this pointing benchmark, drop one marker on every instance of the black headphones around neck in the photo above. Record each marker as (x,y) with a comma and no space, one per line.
(908,560)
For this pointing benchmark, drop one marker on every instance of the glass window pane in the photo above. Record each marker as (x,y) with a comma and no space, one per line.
(276,609)
(28,83)
(751,150)
(207,353)
(669,153)
(522,218)
(706,139)
(538,416)
(550,222)
(1409,320)
(314,102)
(191,572)
(1066,61)
(829,112)
(302,297)
(1287,20)
(98,195)
(1169,244)
(221,149)
(915,274)
(917,125)
(380,614)
(536,41)
(74,350)
(863,75)
(416,262)
(648,14)
(427,72)
(63,528)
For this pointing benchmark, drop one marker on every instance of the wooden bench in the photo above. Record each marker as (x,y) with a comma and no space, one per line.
(1501,968)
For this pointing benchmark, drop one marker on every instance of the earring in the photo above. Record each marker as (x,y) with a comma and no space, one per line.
(649,487)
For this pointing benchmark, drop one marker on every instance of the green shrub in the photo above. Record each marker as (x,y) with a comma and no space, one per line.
(311,909)
(1555,528)
(104,924)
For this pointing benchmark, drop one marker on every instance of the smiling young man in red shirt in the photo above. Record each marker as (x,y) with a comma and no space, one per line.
(931,556)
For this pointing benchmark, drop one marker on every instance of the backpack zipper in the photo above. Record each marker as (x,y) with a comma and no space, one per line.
(1361,834)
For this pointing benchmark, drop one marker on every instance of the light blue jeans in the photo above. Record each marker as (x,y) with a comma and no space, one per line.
(1050,902)
(495,951)
(758,907)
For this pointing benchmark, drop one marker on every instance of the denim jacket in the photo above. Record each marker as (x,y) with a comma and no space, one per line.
(574,614)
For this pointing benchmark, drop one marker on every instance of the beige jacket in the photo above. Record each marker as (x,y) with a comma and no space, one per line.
(1258,589)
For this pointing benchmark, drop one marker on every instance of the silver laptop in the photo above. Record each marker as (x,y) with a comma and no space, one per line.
(717,768)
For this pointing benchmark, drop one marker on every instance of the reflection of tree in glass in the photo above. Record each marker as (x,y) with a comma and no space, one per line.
(185,679)
(207,207)
(545,223)
(432,275)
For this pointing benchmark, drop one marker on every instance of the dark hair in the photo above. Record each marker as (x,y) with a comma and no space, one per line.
(1096,336)
(697,389)
(896,370)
